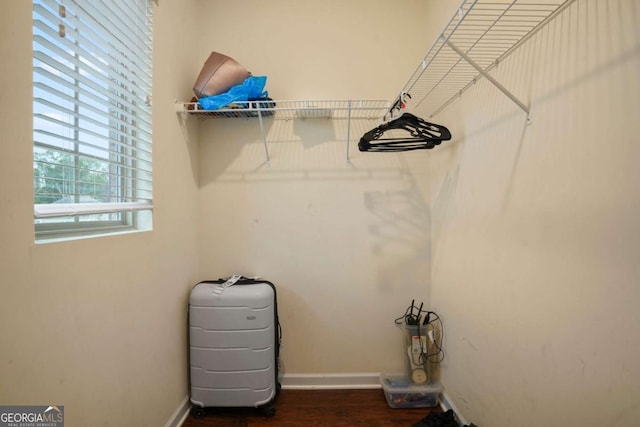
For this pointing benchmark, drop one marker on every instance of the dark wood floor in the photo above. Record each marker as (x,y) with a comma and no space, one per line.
(315,408)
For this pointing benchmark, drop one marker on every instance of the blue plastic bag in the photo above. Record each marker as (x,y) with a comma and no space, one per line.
(251,88)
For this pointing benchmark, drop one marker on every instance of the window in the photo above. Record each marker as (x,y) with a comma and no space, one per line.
(91,117)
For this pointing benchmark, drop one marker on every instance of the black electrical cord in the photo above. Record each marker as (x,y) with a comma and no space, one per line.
(438,355)
(431,319)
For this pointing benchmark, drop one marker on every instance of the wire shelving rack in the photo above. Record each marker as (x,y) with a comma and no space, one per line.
(370,109)
(479,35)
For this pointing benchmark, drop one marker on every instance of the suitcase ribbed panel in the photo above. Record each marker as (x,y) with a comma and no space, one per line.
(259,379)
(232,345)
(253,296)
(231,398)
(225,360)
(231,318)
(254,339)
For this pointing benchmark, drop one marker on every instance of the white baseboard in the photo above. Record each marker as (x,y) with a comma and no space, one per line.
(446,403)
(321,382)
(331,381)
(180,414)
(299,382)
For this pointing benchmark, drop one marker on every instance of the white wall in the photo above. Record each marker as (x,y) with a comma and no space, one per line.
(533,239)
(98,325)
(347,246)
(536,229)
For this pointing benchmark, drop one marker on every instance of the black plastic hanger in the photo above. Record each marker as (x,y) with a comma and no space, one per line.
(420,134)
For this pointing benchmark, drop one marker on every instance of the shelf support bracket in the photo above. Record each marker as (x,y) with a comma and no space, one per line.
(348,129)
(488,77)
(264,137)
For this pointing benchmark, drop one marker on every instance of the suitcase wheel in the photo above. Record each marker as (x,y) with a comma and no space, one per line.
(197,412)
(268,410)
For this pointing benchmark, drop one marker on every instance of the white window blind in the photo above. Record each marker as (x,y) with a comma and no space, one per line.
(91,114)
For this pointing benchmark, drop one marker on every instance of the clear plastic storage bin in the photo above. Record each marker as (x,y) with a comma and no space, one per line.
(400,392)
(420,353)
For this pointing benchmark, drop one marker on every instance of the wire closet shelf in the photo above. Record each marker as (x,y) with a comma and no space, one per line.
(480,35)
(293,109)
(300,109)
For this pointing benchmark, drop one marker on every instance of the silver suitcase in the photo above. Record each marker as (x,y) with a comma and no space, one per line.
(234,340)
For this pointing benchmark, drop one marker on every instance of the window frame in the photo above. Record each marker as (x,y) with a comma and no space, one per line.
(127,144)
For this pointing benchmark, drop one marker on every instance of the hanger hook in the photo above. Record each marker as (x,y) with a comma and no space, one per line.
(403,96)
